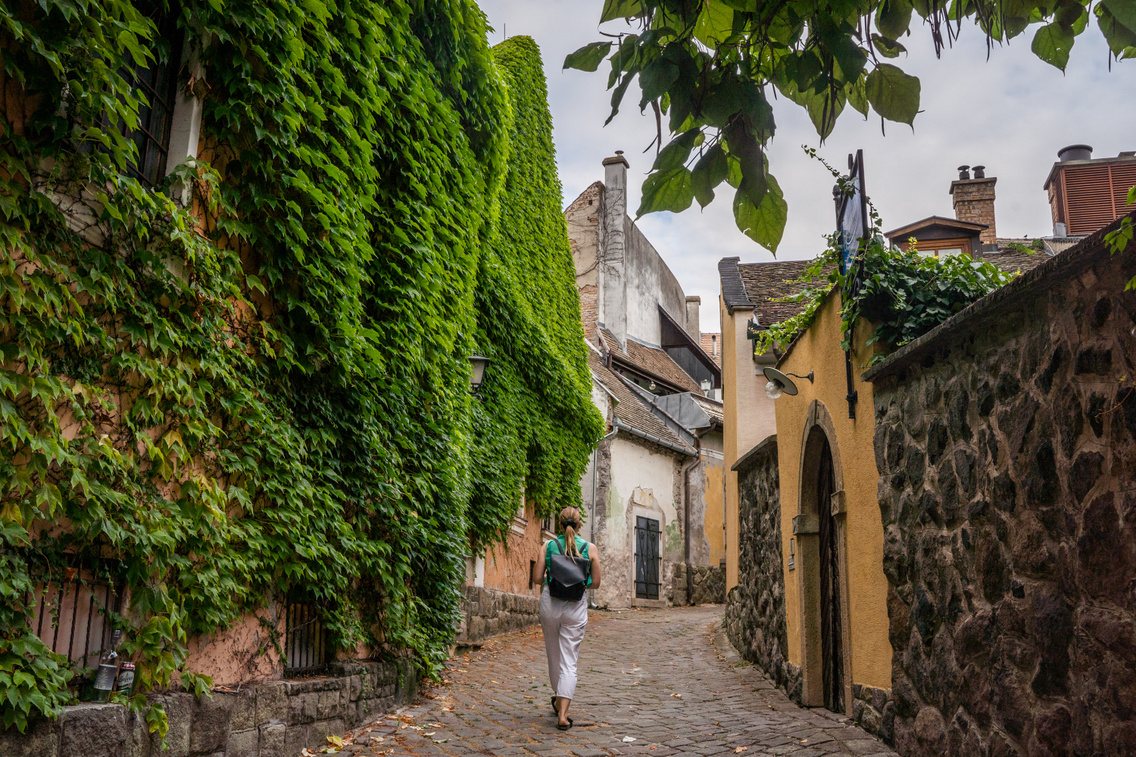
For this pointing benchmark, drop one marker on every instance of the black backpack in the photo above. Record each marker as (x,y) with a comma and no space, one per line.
(568,576)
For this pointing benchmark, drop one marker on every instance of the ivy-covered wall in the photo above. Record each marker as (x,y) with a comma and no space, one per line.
(536,425)
(266,394)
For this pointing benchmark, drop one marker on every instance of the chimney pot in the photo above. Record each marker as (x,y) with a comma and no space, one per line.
(1075,152)
(980,172)
(964,173)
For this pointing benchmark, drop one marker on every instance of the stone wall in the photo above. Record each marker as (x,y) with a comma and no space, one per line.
(1006,445)
(275,719)
(707,584)
(755,608)
(488,612)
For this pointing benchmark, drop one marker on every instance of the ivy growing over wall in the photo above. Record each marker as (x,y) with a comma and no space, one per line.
(267,392)
(536,425)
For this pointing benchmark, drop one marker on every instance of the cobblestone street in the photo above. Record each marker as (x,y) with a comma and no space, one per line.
(652,682)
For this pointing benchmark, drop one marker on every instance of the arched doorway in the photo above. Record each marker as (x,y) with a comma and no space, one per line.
(821,568)
(832,650)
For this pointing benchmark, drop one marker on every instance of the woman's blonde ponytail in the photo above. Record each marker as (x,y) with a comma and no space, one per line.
(570,523)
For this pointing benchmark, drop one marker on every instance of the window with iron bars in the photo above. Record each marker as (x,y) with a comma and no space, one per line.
(71,610)
(156,82)
(306,648)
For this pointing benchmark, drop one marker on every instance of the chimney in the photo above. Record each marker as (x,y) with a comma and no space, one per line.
(692,305)
(973,200)
(613,302)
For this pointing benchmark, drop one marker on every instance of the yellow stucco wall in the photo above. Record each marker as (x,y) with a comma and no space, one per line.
(818,350)
(749,418)
(715,535)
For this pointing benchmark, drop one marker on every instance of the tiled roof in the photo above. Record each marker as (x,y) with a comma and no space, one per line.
(650,360)
(709,341)
(1011,260)
(631,410)
(733,289)
(765,283)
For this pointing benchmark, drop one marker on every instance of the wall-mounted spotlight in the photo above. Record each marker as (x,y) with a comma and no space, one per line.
(780,383)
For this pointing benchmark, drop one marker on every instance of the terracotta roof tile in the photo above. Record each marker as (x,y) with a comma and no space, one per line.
(1011,260)
(631,410)
(650,360)
(765,283)
(712,346)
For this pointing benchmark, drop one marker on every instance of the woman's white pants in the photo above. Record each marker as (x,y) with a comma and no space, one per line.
(563,624)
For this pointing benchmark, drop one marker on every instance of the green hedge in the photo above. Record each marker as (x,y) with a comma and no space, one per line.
(281,405)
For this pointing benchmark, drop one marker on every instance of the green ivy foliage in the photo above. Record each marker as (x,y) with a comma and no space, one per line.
(899,294)
(714,66)
(536,425)
(266,394)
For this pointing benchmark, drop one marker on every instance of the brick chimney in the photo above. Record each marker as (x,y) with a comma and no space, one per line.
(613,277)
(692,327)
(973,200)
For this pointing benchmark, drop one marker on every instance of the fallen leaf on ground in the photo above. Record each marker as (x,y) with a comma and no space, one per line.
(741,749)
(628,739)
(676,694)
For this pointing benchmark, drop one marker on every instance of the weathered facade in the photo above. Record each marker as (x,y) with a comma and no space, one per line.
(1006,444)
(653,492)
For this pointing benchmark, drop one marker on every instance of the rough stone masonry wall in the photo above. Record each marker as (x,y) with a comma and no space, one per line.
(707,584)
(275,719)
(1007,459)
(489,612)
(755,608)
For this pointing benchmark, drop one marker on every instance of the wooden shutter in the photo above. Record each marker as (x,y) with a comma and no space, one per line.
(1096,195)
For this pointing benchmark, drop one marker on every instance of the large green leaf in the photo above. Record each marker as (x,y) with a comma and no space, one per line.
(893,94)
(715,23)
(588,57)
(765,222)
(656,78)
(1124,11)
(1052,44)
(710,171)
(666,190)
(614,9)
(675,154)
(893,18)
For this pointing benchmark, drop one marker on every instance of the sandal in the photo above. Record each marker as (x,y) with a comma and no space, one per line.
(565,727)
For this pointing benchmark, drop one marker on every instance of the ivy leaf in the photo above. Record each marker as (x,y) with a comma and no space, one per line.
(666,190)
(1052,44)
(715,23)
(614,9)
(893,94)
(588,57)
(710,171)
(763,223)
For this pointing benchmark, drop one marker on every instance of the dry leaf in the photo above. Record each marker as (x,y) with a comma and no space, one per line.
(676,694)
(741,749)
(628,739)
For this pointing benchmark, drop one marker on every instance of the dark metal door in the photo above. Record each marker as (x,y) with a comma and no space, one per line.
(830,627)
(646,558)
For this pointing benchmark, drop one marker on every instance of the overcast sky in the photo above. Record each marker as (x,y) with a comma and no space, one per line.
(1011,114)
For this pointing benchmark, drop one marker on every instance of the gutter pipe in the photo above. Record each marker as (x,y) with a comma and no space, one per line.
(621,426)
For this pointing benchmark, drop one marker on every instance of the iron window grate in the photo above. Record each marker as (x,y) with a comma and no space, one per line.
(71,611)
(306,648)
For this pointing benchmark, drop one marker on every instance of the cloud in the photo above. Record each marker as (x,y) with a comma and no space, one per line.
(1011,114)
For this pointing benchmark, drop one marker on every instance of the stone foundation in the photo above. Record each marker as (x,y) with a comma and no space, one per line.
(489,612)
(707,585)
(274,719)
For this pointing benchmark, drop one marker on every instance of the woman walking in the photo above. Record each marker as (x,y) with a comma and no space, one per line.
(564,620)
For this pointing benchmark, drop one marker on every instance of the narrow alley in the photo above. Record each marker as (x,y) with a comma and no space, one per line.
(652,682)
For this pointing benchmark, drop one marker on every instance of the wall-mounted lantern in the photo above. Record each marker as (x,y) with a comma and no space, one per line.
(780,383)
(477,377)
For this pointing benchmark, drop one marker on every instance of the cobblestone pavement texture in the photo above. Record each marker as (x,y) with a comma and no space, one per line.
(656,683)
